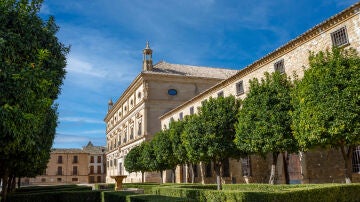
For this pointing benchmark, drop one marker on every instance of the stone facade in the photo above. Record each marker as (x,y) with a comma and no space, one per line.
(318,165)
(73,166)
(134,117)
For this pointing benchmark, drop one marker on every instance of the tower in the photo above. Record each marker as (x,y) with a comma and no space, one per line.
(147,58)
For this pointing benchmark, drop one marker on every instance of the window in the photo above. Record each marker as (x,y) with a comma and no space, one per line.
(43,180)
(246,166)
(115,162)
(60,159)
(111,163)
(75,170)
(74,179)
(279,66)
(240,88)
(171,119)
(181,116)
(98,178)
(131,133)
(75,159)
(339,37)
(92,157)
(59,170)
(99,159)
(220,94)
(139,128)
(92,169)
(226,168)
(125,137)
(139,95)
(356,160)
(59,179)
(191,110)
(99,169)
(107,163)
(92,179)
(172,92)
(208,171)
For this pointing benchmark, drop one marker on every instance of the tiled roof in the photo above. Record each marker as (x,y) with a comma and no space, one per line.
(68,151)
(188,70)
(88,149)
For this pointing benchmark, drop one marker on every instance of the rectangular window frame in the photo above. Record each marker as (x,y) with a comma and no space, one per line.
(240,88)
(220,94)
(279,66)
(191,110)
(340,37)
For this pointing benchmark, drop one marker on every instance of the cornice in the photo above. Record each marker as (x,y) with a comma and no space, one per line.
(282,50)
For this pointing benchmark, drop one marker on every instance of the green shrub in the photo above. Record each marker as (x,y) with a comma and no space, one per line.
(156,198)
(63,196)
(41,189)
(111,196)
(147,187)
(104,186)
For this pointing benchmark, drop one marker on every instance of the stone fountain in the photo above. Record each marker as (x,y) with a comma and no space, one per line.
(119,181)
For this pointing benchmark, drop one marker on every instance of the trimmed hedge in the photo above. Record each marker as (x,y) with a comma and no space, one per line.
(265,192)
(111,196)
(103,186)
(156,198)
(42,189)
(63,196)
(147,187)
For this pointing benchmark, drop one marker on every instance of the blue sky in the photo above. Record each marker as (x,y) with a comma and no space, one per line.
(107,38)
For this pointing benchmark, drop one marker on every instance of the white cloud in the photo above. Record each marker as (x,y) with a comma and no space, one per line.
(78,66)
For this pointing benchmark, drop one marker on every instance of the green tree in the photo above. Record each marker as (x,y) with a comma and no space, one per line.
(264,121)
(210,135)
(133,161)
(148,158)
(327,103)
(176,128)
(32,63)
(163,150)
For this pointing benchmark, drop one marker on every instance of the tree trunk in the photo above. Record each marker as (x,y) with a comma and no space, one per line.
(188,172)
(202,169)
(142,176)
(4,186)
(273,168)
(13,184)
(173,175)
(161,177)
(217,167)
(286,170)
(347,155)
(192,174)
(19,183)
(303,168)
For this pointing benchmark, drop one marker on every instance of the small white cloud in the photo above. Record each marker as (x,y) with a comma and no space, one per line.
(78,66)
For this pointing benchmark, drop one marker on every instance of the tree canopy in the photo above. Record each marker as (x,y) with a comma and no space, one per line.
(327,103)
(209,135)
(32,68)
(264,121)
(163,151)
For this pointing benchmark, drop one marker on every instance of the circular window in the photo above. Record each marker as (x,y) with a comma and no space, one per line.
(172,92)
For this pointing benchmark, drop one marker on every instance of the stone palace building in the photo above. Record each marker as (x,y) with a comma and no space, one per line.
(165,92)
